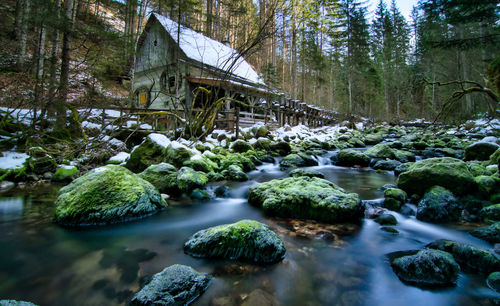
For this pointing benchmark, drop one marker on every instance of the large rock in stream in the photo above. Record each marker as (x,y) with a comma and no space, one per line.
(175,285)
(438,205)
(307,198)
(426,268)
(488,233)
(450,173)
(469,257)
(245,240)
(109,194)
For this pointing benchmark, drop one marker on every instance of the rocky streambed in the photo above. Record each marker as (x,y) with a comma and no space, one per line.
(293,217)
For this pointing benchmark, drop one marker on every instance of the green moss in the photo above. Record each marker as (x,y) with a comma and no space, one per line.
(386,219)
(146,154)
(447,172)
(307,198)
(241,146)
(235,173)
(65,174)
(469,257)
(246,240)
(201,164)
(491,213)
(438,205)
(238,160)
(189,179)
(350,157)
(163,176)
(177,156)
(488,233)
(427,268)
(382,151)
(106,195)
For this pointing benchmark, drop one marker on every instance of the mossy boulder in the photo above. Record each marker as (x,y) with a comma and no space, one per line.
(177,155)
(494,158)
(201,164)
(480,150)
(189,179)
(350,158)
(372,139)
(487,185)
(306,172)
(235,173)
(381,151)
(387,165)
(386,219)
(175,285)
(438,205)
(491,213)
(389,229)
(493,281)
(239,160)
(404,156)
(447,172)
(148,153)
(262,144)
(281,148)
(469,257)
(420,145)
(427,268)
(246,240)
(261,131)
(488,233)
(394,198)
(106,195)
(306,198)
(477,169)
(241,146)
(163,176)
(297,160)
(65,173)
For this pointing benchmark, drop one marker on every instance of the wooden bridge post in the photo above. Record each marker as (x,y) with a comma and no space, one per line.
(237,121)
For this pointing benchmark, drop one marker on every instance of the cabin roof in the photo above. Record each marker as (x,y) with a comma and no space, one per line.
(210,52)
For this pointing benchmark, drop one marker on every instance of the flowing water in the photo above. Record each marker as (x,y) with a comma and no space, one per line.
(50,265)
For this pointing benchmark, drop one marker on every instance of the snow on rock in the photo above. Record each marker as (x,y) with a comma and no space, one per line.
(159,139)
(120,157)
(12,160)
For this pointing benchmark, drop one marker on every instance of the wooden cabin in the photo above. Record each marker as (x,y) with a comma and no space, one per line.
(173,60)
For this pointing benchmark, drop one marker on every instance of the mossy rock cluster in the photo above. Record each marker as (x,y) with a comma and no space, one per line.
(163,176)
(175,285)
(40,161)
(381,151)
(106,195)
(306,198)
(246,240)
(426,268)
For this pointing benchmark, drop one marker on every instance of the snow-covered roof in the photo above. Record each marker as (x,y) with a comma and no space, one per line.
(209,51)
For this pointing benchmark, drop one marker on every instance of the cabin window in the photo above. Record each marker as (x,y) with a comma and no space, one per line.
(168,81)
(142,95)
(142,98)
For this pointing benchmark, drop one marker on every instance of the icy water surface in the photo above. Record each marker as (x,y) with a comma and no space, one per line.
(324,265)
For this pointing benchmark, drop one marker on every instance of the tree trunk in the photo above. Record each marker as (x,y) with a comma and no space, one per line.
(293,87)
(54,56)
(22,31)
(40,65)
(65,65)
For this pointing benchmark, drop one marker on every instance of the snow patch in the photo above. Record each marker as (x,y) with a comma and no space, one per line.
(159,139)
(120,157)
(13,160)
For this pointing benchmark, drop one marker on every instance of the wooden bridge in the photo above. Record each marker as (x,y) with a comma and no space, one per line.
(277,113)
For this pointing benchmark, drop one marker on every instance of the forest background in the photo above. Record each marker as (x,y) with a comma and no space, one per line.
(336,54)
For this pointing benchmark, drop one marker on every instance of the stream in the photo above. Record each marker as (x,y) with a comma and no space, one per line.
(47,264)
